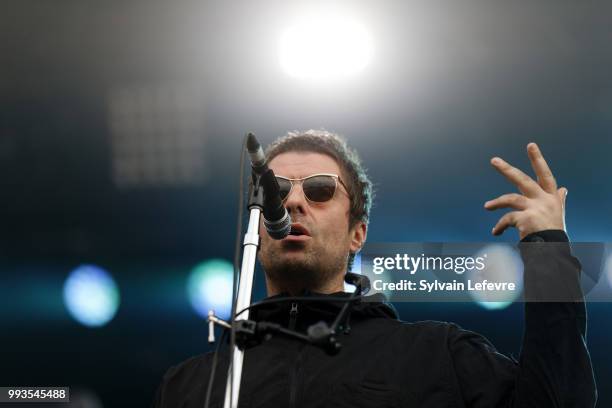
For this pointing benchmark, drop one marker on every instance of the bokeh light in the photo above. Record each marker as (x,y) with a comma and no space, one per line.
(325,47)
(356,268)
(91,295)
(503,264)
(209,287)
(83,398)
(608,267)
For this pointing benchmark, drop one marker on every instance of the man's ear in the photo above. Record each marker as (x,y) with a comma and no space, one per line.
(358,235)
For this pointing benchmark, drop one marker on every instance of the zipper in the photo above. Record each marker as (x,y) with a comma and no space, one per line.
(296,367)
(293,316)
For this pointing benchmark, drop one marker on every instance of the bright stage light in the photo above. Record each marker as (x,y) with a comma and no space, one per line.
(91,295)
(210,287)
(325,48)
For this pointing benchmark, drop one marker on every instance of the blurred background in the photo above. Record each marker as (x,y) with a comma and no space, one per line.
(121,125)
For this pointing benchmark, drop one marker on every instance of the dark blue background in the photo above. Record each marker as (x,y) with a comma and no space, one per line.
(452,84)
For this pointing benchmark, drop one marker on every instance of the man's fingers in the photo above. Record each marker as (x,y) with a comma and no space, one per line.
(504,222)
(522,181)
(513,200)
(546,180)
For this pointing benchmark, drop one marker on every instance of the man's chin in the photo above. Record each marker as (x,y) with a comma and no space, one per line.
(294,258)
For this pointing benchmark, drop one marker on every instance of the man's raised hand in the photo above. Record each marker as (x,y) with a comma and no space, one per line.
(540,206)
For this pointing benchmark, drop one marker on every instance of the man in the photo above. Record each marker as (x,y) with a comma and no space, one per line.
(385,362)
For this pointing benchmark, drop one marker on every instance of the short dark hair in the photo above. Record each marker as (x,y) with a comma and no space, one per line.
(359,186)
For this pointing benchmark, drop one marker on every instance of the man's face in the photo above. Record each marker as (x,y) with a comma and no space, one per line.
(317,259)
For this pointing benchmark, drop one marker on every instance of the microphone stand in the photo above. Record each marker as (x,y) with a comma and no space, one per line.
(250,246)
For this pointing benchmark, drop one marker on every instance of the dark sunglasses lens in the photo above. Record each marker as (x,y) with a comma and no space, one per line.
(284,187)
(319,188)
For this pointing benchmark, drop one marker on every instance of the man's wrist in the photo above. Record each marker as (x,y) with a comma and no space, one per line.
(552,235)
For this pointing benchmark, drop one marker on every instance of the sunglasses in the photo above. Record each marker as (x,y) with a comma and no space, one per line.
(317,188)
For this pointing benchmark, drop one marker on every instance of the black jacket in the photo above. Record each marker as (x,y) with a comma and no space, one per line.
(385,362)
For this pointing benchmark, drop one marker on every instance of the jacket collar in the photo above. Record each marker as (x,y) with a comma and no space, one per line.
(320,306)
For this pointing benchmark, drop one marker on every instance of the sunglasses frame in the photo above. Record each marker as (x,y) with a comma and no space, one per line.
(336,178)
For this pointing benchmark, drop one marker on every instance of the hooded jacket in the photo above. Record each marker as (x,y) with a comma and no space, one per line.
(385,362)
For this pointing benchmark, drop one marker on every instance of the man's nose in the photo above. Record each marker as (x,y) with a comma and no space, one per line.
(296,201)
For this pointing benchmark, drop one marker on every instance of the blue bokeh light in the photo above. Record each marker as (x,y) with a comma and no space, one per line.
(356,268)
(608,268)
(209,287)
(503,264)
(91,295)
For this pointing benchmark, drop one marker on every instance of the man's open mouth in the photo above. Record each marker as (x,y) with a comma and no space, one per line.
(298,229)
(298,233)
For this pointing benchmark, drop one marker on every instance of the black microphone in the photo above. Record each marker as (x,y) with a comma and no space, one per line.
(276,218)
